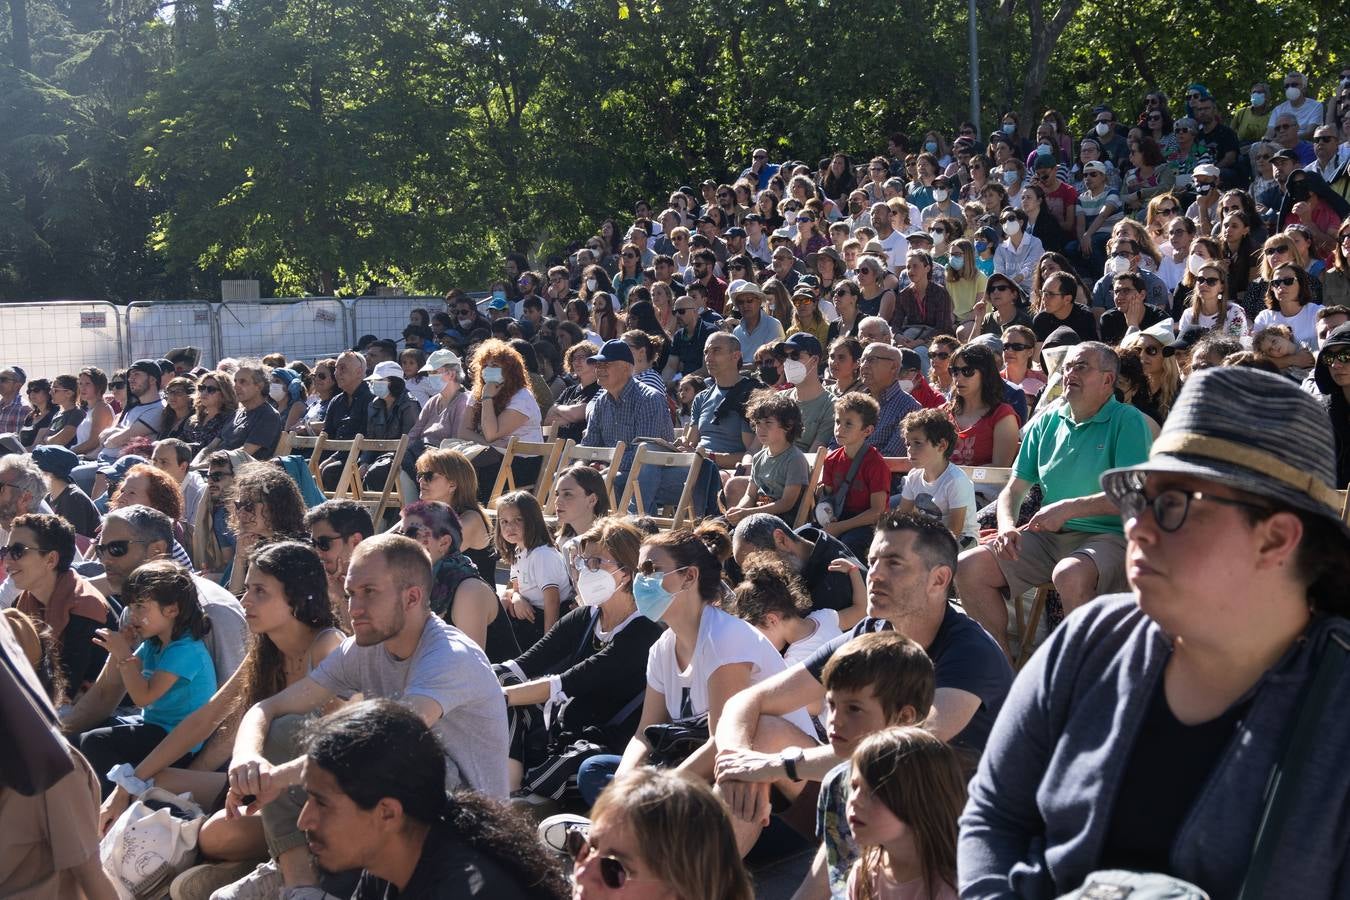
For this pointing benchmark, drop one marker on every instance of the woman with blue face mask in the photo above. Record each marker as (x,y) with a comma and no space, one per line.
(705,657)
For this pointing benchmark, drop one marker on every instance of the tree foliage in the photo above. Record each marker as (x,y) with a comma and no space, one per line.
(334,145)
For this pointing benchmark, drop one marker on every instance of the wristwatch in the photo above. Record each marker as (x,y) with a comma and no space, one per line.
(790,757)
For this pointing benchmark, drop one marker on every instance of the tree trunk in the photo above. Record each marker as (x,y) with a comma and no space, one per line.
(1044,37)
(20,51)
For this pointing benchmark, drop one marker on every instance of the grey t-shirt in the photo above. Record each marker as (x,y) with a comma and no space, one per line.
(773,475)
(260,425)
(448,668)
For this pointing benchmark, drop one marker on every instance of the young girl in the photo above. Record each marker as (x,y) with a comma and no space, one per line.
(690,387)
(778,472)
(905,793)
(1277,344)
(170,674)
(539,583)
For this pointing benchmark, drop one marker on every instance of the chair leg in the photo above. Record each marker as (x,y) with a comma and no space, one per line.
(1032,623)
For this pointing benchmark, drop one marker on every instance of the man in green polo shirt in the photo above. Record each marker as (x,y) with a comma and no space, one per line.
(1076,539)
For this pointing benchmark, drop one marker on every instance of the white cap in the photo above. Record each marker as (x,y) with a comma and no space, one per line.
(386,369)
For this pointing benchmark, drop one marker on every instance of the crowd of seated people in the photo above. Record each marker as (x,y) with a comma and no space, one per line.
(888,428)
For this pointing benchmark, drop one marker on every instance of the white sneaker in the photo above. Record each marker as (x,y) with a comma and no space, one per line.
(263,883)
(553,830)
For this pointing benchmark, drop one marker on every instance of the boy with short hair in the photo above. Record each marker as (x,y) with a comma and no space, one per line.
(873,682)
(934,486)
(779,470)
(866,495)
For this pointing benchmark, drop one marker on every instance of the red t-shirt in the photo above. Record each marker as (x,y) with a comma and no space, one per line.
(927,397)
(1061,198)
(873,477)
(975,445)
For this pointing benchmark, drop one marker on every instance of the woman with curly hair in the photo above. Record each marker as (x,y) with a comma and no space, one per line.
(215,406)
(294,628)
(501,406)
(265,505)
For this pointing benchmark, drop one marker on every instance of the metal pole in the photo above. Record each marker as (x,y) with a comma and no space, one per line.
(974,68)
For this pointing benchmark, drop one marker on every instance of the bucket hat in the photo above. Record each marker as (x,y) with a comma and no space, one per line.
(1251,430)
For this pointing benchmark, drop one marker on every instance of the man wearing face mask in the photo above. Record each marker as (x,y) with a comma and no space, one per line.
(1307,111)
(1250,122)
(1122,258)
(1206,206)
(256,426)
(913,383)
(943,204)
(858,214)
(801,355)
(1114,145)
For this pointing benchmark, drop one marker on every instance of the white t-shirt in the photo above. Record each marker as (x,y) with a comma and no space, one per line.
(896,247)
(1234,321)
(951,490)
(194,490)
(524,403)
(723,640)
(827,629)
(539,568)
(1304,324)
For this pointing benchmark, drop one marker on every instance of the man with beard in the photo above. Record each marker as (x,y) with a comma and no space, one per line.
(812,554)
(398,650)
(335,528)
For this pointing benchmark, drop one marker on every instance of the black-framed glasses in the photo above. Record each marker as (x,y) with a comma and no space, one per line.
(17,551)
(117,385)
(999,288)
(965,371)
(325,542)
(592,562)
(1170,507)
(939,354)
(246,505)
(116,549)
(212,389)
(414,532)
(1283,282)
(1167,210)
(1335,357)
(612,871)
(426,476)
(1324,139)
(1274,251)
(1017,347)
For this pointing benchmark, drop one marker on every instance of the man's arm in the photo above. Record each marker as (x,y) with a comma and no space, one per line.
(1052,517)
(785,692)
(1010,502)
(98,703)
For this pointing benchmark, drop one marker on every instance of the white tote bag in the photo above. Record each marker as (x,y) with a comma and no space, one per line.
(150,843)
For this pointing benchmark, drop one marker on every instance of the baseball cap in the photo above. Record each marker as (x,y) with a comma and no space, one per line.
(1095,166)
(1206,169)
(386,369)
(439,359)
(734,231)
(801,341)
(614,351)
(497,303)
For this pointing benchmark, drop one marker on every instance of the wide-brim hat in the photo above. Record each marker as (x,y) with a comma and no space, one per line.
(829,253)
(1251,430)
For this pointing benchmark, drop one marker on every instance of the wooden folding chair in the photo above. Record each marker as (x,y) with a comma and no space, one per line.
(988,476)
(808,500)
(1029,622)
(573,453)
(550,433)
(549,453)
(315,446)
(387,496)
(1345,506)
(349,481)
(283,444)
(633,492)
(898,465)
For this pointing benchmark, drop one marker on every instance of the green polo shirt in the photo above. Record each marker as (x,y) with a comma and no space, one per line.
(1067,458)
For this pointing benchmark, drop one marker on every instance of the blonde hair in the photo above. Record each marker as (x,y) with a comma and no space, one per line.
(1169,383)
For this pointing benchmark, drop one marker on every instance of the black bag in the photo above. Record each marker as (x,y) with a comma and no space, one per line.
(556,777)
(674,742)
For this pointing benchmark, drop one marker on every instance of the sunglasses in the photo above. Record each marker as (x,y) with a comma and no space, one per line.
(325,542)
(999,288)
(218,476)
(612,872)
(802,301)
(17,551)
(425,476)
(115,385)
(1283,282)
(965,371)
(1168,210)
(115,549)
(1324,139)
(1209,280)
(212,389)
(593,563)
(1272,251)
(1155,118)
(1336,357)
(413,532)
(247,506)
(1017,347)
(630,256)
(179,392)
(939,354)
(1152,350)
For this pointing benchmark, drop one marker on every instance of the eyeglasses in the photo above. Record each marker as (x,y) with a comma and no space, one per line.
(1181,129)
(218,476)
(246,505)
(1170,507)
(802,301)
(1155,117)
(630,256)
(1167,210)
(1017,347)
(1324,139)
(16,551)
(1283,282)
(939,354)
(178,392)
(1272,251)
(426,476)
(649,568)
(1175,232)
(592,562)
(965,371)
(1344,238)
(1208,280)
(413,532)
(115,385)
(612,872)
(116,549)
(325,542)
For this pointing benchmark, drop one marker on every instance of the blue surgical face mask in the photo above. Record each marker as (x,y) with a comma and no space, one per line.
(930,146)
(1010,177)
(492,374)
(981,246)
(1009,128)
(650,595)
(957,263)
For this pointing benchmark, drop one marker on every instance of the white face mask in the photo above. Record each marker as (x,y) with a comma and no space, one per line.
(594,588)
(1292,93)
(276,391)
(591,284)
(1195,262)
(939,195)
(380,389)
(492,375)
(465,323)
(794,371)
(906,384)
(1103,128)
(1117,264)
(435,383)
(937,237)
(1011,227)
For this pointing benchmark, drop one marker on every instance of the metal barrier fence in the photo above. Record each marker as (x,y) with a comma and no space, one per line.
(61,336)
(155,327)
(49,338)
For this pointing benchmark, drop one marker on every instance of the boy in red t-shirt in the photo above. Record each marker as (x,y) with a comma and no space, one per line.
(855,418)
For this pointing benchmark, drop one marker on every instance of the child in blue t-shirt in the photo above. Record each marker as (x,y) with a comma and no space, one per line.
(169,675)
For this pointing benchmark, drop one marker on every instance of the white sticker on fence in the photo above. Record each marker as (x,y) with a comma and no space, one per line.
(60,338)
(307,329)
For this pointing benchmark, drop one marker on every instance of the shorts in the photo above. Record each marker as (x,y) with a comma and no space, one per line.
(1042,551)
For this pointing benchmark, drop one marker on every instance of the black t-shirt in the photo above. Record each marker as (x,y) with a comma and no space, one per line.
(1114,326)
(829,590)
(346,416)
(70,418)
(689,349)
(1169,765)
(75,507)
(1080,319)
(964,657)
(576,394)
(1221,141)
(449,869)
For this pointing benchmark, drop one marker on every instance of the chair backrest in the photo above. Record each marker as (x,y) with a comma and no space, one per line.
(647,456)
(988,476)
(387,495)
(549,453)
(284,444)
(898,465)
(348,483)
(315,445)
(572,453)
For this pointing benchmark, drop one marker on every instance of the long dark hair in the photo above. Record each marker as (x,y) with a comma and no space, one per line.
(532,520)
(305,585)
(166,583)
(992,388)
(686,548)
(381,748)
